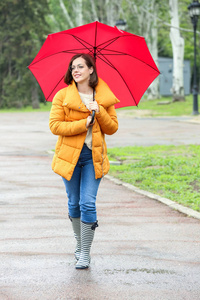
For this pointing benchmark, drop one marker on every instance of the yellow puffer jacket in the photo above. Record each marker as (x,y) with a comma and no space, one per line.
(68,120)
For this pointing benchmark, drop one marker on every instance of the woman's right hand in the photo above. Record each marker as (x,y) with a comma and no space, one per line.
(89,119)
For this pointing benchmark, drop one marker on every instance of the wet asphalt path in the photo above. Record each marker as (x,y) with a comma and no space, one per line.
(142,248)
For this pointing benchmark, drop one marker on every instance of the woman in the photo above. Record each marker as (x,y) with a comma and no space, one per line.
(81,153)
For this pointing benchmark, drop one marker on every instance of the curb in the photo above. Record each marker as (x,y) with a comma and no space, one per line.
(185,210)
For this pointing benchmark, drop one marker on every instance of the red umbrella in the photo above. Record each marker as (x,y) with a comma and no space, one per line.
(123,60)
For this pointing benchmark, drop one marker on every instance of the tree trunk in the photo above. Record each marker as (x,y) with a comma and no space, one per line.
(94,11)
(34,94)
(147,24)
(67,16)
(79,12)
(111,12)
(153,89)
(178,52)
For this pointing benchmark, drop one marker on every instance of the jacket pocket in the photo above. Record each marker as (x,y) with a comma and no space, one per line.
(69,154)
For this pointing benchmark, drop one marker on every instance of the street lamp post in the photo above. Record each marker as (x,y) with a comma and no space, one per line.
(194,10)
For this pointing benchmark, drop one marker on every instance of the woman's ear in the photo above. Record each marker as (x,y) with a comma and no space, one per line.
(91,70)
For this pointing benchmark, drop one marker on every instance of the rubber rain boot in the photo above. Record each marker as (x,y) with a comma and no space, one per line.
(87,235)
(76,225)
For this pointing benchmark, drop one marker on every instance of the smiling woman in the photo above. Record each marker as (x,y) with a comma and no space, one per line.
(82,70)
(80,155)
(81,74)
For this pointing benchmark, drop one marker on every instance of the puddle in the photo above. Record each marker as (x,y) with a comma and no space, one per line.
(137,270)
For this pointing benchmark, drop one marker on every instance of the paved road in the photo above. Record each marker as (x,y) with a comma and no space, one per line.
(154,131)
(142,248)
(17,129)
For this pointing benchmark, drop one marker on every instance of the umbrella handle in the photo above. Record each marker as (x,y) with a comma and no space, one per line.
(93,114)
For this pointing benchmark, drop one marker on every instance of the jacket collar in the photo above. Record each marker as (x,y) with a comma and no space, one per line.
(104,96)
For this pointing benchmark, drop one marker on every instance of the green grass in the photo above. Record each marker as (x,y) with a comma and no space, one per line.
(43,107)
(181,108)
(169,171)
(150,107)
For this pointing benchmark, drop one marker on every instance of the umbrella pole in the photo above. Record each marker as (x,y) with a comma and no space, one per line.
(93,112)
(95,55)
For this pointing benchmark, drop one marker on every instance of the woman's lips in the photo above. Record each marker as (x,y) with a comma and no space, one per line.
(77,75)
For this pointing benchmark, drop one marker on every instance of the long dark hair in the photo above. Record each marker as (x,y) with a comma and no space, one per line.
(89,60)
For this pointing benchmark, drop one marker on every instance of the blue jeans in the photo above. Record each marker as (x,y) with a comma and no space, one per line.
(82,189)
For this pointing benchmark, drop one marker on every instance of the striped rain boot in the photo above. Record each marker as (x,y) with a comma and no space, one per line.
(76,225)
(87,235)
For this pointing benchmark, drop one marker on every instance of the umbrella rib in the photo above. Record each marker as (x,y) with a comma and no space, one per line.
(122,53)
(82,43)
(78,39)
(108,42)
(95,42)
(112,66)
(116,38)
(118,52)
(55,87)
(72,51)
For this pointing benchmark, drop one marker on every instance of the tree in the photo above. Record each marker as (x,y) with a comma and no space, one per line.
(178,52)
(22,29)
(79,12)
(147,14)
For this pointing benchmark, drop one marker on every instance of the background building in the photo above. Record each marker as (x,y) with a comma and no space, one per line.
(165,66)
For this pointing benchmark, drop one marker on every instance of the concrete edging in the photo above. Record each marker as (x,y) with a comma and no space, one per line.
(185,210)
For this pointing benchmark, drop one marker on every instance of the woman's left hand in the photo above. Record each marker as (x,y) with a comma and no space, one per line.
(94,106)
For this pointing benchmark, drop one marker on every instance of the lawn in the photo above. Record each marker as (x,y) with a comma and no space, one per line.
(169,171)
(43,107)
(151,108)
(155,108)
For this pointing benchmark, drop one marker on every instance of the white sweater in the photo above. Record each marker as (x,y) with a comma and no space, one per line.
(86,99)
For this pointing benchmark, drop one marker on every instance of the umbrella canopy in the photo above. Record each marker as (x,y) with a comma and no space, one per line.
(123,60)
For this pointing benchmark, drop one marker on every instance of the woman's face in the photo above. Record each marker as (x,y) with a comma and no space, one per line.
(80,71)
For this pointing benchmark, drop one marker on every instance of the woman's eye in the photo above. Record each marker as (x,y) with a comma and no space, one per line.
(73,68)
